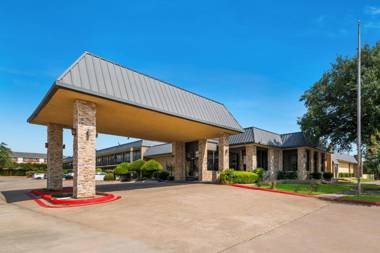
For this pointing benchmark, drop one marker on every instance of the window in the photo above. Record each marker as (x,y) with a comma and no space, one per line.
(290,160)
(262,158)
(127,157)
(136,155)
(119,158)
(212,160)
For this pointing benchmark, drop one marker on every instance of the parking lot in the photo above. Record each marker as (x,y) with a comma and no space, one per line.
(173,217)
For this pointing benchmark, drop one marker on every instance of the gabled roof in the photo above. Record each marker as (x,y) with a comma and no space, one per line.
(94,75)
(268,138)
(162,149)
(28,155)
(343,157)
(126,147)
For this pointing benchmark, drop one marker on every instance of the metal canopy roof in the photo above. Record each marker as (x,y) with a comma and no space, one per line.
(94,75)
(264,137)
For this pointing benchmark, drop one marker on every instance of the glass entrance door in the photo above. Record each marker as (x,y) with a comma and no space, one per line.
(192,171)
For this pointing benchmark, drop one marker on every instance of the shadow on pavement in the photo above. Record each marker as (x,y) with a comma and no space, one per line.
(13,196)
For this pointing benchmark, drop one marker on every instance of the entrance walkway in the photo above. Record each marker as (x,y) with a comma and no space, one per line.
(187,218)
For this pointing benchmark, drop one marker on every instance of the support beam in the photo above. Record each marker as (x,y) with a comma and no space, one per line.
(179,160)
(54,157)
(224,153)
(84,157)
(301,163)
(250,151)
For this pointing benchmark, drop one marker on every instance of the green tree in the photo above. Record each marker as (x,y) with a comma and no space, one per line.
(372,157)
(331,102)
(5,155)
(122,168)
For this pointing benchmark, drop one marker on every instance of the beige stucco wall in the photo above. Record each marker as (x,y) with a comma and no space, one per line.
(346,167)
(165,160)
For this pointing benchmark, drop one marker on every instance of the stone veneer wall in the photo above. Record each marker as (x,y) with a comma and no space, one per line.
(179,160)
(54,157)
(84,158)
(223,153)
(204,174)
(251,159)
(301,164)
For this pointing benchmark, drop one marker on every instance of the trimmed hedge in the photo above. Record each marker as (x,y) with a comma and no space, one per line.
(150,168)
(316,175)
(163,175)
(136,165)
(327,175)
(109,177)
(122,168)
(287,175)
(231,176)
(344,174)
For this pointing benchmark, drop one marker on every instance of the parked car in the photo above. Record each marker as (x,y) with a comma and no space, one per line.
(100,176)
(39,176)
(68,176)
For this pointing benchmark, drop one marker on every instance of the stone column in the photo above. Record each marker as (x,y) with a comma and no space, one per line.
(131,154)
(202,160)
(280,160)
(54,157)
(84,157)
(311,161)
(301,164)
(178,149)
(224,153)
(272,164)
(250,152)
(319,161)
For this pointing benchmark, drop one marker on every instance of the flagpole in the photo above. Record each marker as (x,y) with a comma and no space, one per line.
(359,130)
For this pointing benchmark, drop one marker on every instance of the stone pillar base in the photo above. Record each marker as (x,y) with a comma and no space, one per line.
(54,157)
(84,157)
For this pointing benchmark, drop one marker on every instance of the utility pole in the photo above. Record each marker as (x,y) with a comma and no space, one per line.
(359,112)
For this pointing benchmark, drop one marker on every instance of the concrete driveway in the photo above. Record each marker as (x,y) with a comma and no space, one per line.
(161,217)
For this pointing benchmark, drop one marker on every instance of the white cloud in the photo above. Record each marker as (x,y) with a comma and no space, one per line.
(371,10)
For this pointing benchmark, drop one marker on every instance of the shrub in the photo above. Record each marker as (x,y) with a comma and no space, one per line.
(151,167)
(287,175)
(344,174)
(238,177)
(163,175)
(109,177)
(316,175)
(98,170)
(328,175)
(260,173)
(122,168)
(136,165)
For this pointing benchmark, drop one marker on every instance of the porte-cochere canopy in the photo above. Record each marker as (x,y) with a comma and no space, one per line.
(132,104)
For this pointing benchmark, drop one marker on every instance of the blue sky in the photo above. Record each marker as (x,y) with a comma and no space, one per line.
(257,57)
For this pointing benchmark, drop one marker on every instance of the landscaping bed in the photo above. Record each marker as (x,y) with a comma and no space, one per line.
(64,198)
(371,192)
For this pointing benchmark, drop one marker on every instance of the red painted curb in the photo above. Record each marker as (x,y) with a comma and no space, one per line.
(47,196)
(272,190)
(363,202)
(62,203)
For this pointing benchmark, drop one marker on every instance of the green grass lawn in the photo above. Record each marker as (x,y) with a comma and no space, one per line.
(317,189)
(365,197)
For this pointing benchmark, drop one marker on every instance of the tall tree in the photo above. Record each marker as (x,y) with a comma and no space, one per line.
(331,102)
(5,155)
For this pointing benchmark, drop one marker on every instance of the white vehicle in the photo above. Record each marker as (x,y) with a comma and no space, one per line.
(100,176)
(38,175)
